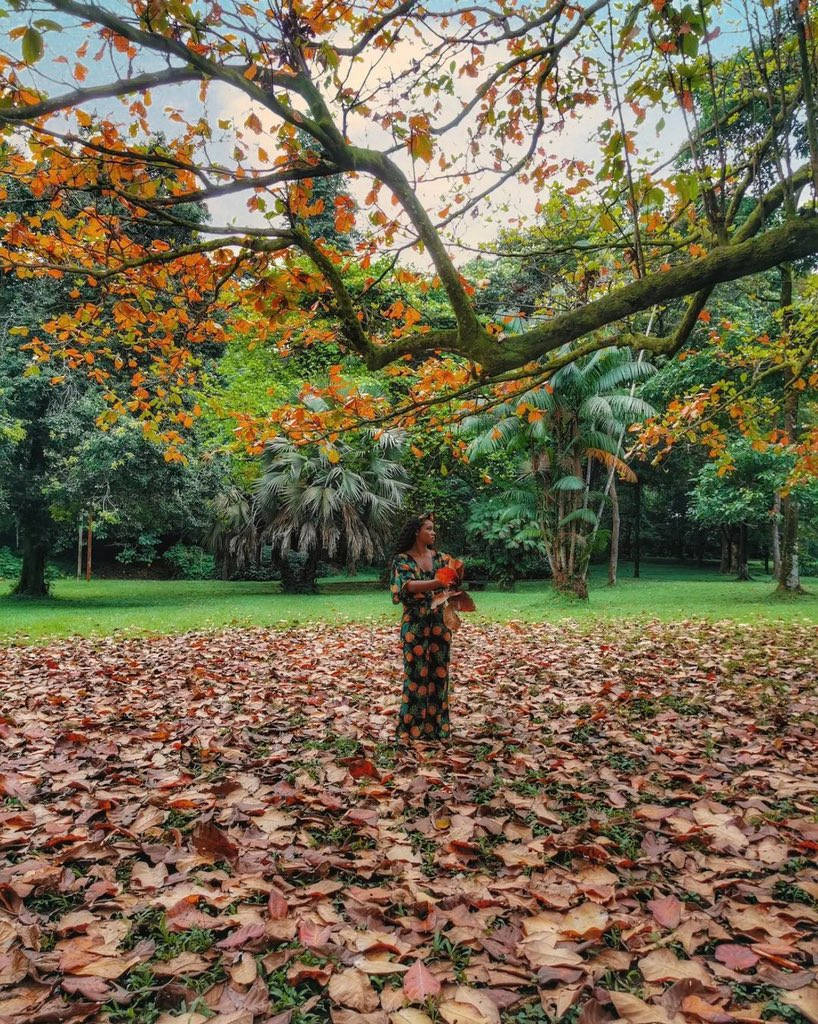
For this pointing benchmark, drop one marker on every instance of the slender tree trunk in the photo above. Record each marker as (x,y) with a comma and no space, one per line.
(79,549)
(789,580)
(742,569)
(775,538)
(637,530)
(766,559)
(90,546)
(700,539)
(724,564)
(613,560)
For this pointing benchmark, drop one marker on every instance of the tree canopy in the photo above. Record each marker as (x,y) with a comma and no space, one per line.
(429,117)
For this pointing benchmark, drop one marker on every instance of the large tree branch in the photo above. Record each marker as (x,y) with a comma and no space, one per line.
(794,240)
(751,226)
(207,68)
(75,98)
(105,273)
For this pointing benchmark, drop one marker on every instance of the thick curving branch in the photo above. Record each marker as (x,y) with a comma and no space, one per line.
(75,98)
(794,240)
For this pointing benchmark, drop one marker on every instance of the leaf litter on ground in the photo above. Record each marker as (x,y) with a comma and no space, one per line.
(219,827)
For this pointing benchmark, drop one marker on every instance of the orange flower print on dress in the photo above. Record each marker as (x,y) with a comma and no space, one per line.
(424,709)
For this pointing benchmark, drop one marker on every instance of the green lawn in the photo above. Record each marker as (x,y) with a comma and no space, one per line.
(137,606)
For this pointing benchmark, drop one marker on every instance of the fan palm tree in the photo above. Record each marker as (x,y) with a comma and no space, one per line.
(338,508)
(233,537)
(561,430)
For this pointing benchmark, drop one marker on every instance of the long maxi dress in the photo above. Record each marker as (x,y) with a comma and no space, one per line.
(424,710)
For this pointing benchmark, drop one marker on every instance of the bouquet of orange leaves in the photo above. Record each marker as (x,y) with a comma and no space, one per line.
(453,599)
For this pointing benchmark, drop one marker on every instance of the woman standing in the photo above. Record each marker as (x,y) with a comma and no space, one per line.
(424,710)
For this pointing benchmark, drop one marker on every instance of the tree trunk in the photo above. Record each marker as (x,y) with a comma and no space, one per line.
(637,528)
(89,547)
(34,517)
(789,580)
(724,564)
(32,582)
(613,560)
(742,569)
(310,571)
(571,584)
(775,539)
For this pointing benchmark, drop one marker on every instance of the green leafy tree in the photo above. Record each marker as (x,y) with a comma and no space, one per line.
(739,500)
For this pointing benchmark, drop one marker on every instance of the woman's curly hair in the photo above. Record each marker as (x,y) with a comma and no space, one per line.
(408,534)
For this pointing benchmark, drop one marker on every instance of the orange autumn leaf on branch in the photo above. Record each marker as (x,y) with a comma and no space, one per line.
(459,135)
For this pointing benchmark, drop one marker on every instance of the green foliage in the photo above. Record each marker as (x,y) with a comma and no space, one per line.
(509,539)
(9,564)
(190,562)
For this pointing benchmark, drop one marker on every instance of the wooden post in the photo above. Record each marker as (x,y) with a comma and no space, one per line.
(90,542)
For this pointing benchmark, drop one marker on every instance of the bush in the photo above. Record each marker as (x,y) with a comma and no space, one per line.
(9,564)
(268,573)
(601,546)
(509,541)
(190,562)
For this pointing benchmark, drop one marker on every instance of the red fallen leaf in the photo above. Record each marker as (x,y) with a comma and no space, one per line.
(299,973)
(419,983)
(736,957)
(329,801)
(697,1007)
(209,839)
(277,906)
(69,837)
(96,989)
(362,816)
(362,768)
(98,889)
(667,912)
(242,936)
(312,936)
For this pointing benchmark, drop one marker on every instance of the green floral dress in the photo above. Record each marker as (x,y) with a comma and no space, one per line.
(424,710)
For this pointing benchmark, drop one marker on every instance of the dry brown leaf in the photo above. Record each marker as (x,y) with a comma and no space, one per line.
(352,988)
(805,1000)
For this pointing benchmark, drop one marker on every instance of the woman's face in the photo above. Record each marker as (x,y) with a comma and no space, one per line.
(426,534)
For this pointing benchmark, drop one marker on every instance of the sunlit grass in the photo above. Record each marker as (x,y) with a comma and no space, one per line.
(664,592)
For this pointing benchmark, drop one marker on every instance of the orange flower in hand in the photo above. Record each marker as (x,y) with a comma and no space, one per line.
(446,575)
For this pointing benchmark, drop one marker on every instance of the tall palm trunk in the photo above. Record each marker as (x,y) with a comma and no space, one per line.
(775,538)
(613,560)
(789,579)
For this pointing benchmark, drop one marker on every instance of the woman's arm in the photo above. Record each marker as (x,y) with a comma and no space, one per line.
(423,586)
